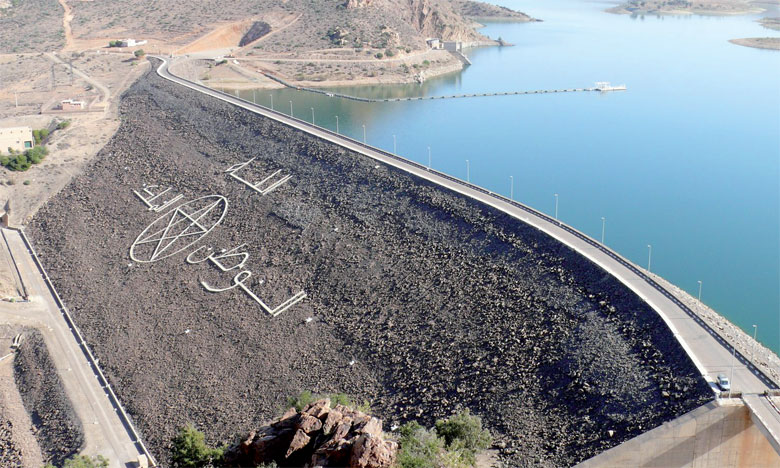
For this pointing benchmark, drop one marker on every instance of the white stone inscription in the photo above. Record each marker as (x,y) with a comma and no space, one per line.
(265,186)
(150,198)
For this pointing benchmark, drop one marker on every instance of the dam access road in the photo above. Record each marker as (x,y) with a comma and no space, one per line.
(709,351)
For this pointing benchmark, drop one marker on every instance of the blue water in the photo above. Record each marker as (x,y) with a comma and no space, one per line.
(687,160)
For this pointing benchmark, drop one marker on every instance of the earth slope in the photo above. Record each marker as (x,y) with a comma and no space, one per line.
(422,301)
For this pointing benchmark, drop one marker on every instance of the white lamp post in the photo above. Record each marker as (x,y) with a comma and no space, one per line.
(468,172)
(603,225)
(429,157)
(649,255)
(337,124)
(511,188)
(699,290)
(364,133)
(556,207)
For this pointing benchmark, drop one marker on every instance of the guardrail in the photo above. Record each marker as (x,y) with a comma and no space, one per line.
(767,380)
(123,416)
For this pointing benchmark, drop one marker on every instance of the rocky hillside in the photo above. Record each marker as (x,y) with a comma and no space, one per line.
(418,299)
(59,431)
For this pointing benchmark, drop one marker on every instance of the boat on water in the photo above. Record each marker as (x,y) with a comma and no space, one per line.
(604,86)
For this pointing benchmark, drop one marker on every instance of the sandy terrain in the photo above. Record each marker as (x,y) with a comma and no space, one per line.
(71,147)
(772,43)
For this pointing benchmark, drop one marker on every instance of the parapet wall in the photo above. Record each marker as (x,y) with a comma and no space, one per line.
(715,435)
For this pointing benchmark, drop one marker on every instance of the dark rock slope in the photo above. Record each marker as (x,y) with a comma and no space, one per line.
(58,430)
(422,301)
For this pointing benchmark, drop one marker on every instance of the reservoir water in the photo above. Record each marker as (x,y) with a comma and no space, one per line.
(687,160)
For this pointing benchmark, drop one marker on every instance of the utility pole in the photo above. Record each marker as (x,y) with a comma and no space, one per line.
(556,207)
(429,157)
(699,290)
(468,172)
(53,78)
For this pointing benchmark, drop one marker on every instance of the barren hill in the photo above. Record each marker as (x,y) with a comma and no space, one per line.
(37,25)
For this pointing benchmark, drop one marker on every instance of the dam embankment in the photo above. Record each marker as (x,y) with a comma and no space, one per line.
(421,300)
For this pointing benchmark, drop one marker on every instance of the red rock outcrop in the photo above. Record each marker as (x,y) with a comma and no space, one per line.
(317,436)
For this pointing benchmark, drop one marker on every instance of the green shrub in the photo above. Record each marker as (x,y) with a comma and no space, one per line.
(453,443)
(466,429)
(83,461)
(420,447)
(26,182)
(301,401)
(379,55)
(389,52)
(139,53)
(63,125)
(190,450)
(40,135)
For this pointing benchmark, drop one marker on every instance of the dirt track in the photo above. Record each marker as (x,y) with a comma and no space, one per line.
(442,303)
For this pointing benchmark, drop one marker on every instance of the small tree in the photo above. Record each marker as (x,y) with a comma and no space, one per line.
(139,53)
(190,450)
(466,429)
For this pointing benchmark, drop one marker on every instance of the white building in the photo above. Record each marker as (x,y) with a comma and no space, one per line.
(16,138)
(130,43)
(72,105)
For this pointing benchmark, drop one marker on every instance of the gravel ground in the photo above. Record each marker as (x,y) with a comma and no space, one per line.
(58,429)
(441,302)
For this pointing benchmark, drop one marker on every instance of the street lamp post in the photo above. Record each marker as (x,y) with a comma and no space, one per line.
(511,188)
(429,157)
(556,207)
(395,147)
(364,134)
(272,101)
(603,225)
(468,172)
(254,96)
(337,124)
(733,363)
(291,112)
(649,255)
(312,116)
(699,290)
(755,330)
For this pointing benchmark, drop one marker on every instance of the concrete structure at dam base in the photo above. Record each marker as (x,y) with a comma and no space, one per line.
(720,434)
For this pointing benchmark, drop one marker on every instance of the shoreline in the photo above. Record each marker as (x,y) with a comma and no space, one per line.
(250,72)
(765,43)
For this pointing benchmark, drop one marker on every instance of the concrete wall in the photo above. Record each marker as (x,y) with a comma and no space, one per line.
(713,436)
